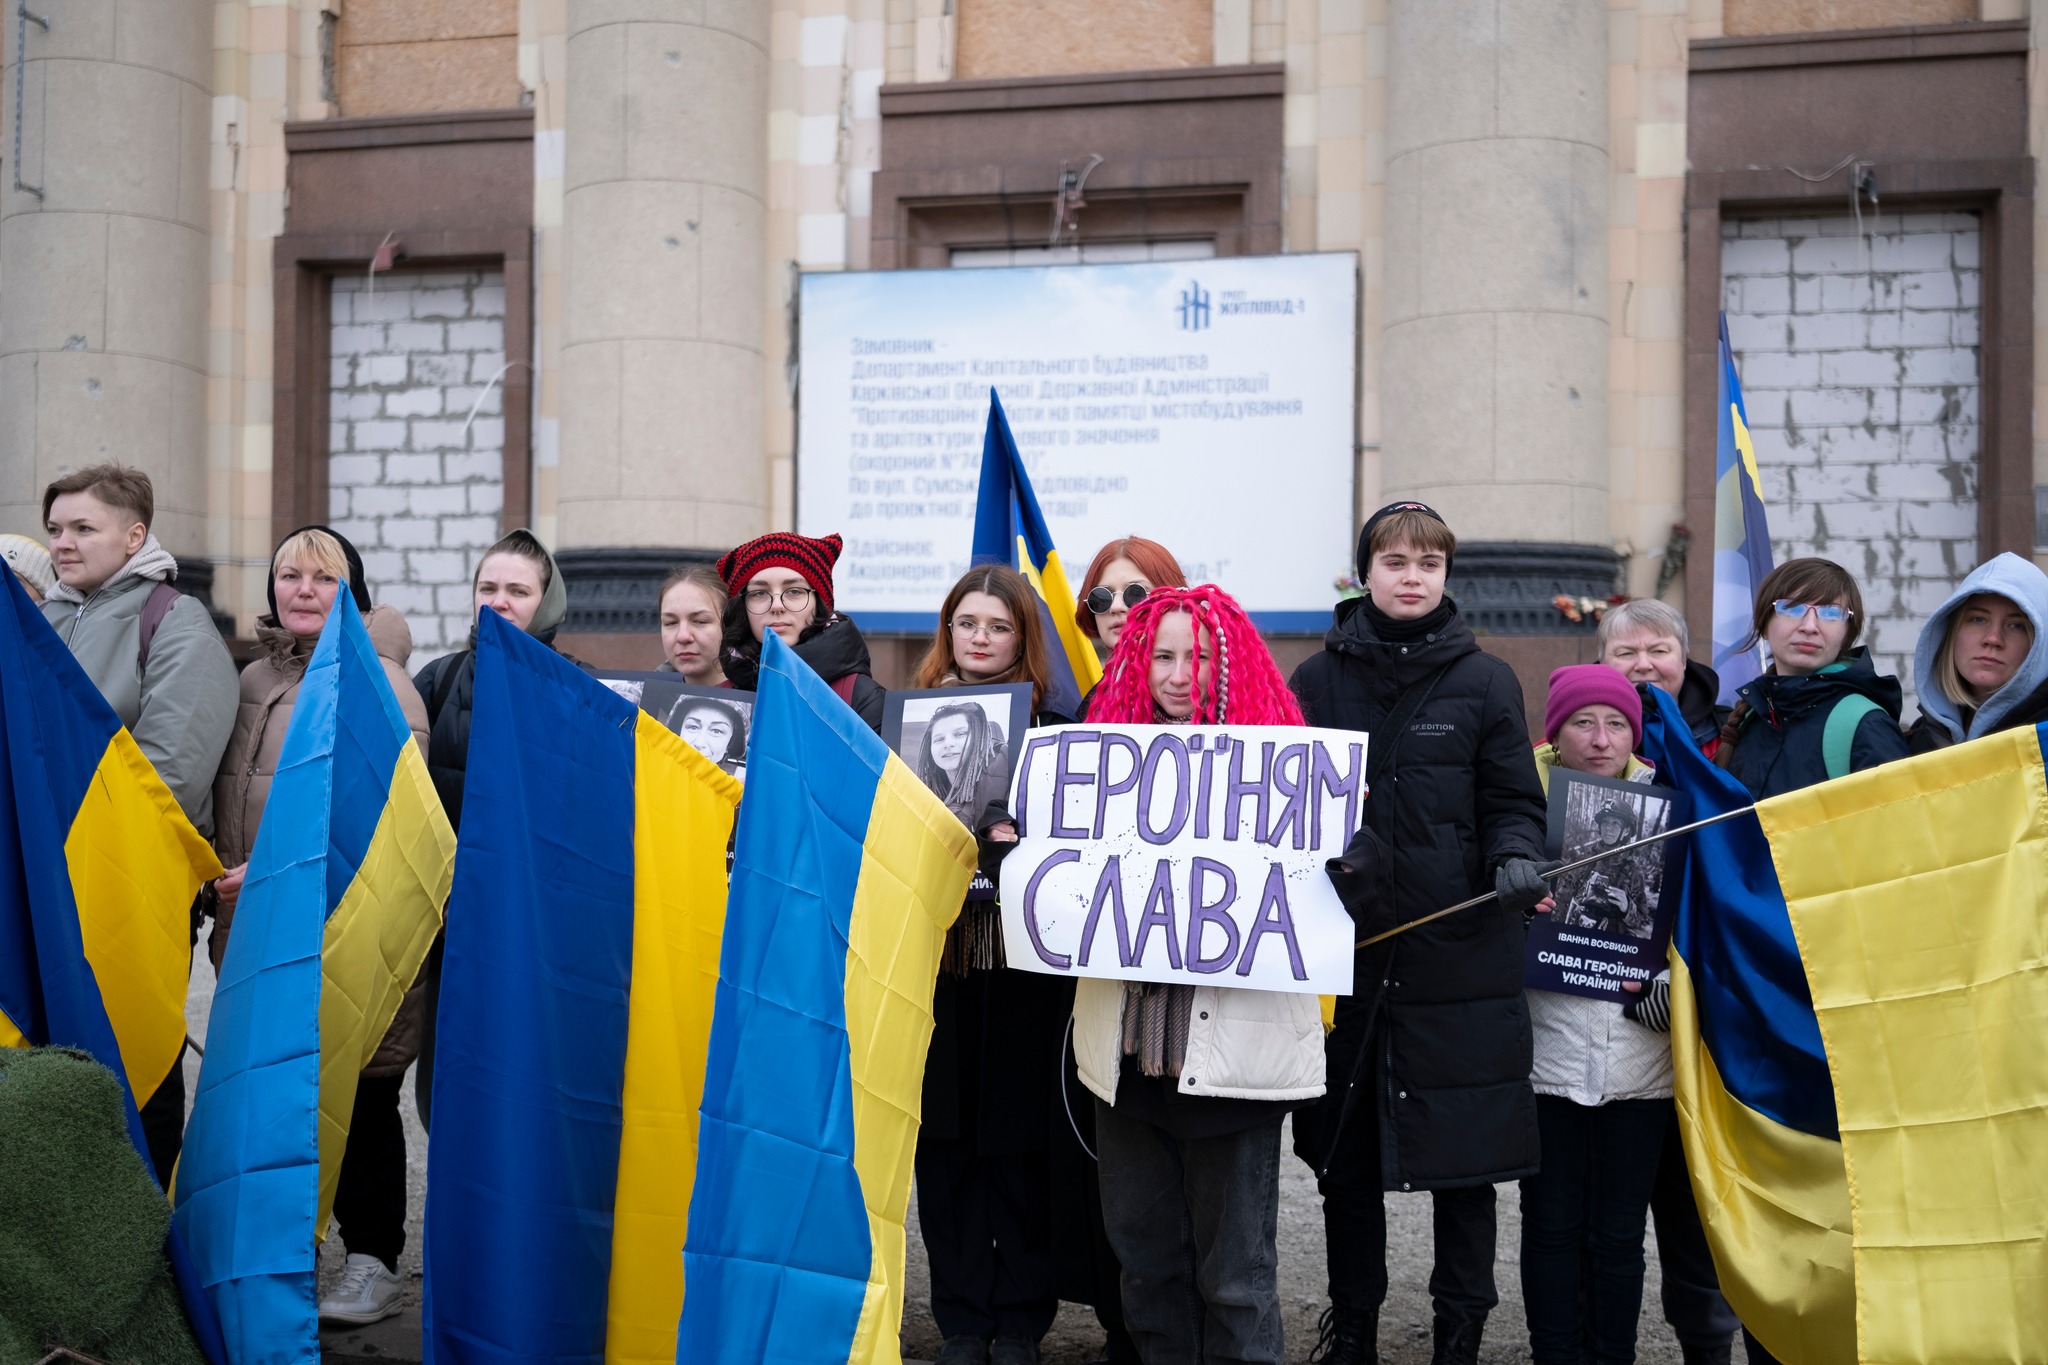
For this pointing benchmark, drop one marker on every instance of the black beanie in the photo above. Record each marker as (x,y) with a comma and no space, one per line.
(357,588)
(1365,536)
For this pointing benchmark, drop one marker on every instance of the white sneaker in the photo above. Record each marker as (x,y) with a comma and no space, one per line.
(366,1293)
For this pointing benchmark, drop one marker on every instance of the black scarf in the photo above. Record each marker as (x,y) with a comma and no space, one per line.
(1407,632)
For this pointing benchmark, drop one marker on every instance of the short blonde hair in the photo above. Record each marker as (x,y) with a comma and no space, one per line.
(312,548)
(1645,614)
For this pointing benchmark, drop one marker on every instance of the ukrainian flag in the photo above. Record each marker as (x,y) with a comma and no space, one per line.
(1742,537)
(847,874)
(342,901)
(576,996)
(1755,1103)
(1009,529)
(99,870)
(97,875)
(1919,894)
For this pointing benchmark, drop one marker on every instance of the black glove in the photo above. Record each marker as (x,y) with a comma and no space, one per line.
(1519,883)
(1360,879)
(1651,1009)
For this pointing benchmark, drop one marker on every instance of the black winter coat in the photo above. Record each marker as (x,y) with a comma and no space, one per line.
(835,652)
(1441,1006)
(1926,734)
(1696,702)
(1779,747)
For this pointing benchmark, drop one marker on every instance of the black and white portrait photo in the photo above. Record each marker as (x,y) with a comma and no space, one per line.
(1612,920)
(961,742)
(711,720)
(1618,895)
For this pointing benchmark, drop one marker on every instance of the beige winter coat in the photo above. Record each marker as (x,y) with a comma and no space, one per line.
(270,688)
(1242,1044)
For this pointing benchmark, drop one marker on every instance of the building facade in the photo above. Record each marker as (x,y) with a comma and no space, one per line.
(429,269)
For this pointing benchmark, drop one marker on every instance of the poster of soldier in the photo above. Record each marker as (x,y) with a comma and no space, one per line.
(1611,923)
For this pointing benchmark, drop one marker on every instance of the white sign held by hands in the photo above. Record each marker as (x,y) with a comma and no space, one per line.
(1190,854)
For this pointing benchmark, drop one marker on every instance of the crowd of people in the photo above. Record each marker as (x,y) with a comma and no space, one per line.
(1119,1144)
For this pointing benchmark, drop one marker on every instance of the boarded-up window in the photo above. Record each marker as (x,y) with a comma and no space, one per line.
(426,56)
(1061,37)
(1858,360)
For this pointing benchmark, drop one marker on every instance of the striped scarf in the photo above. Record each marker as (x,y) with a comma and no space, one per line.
(1156,1020)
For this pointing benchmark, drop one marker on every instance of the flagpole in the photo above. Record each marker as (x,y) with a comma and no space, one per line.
(1558,871)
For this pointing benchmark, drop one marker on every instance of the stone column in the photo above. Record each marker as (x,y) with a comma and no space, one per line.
(103,279)
(665,220)
(1495,352)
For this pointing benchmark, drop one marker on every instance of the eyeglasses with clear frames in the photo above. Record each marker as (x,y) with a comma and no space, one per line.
(1830,612)
(966,626)
(760,601)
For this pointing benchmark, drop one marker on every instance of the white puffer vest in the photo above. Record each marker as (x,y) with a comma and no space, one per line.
(1242,1044)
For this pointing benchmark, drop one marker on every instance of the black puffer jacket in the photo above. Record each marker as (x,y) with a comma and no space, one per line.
(836,652)
(1442,1005)
(1778,748)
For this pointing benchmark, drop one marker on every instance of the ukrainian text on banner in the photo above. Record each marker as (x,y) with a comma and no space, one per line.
(1919,894)
(1182,853)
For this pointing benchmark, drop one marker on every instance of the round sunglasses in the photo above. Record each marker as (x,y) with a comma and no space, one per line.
(1102,600)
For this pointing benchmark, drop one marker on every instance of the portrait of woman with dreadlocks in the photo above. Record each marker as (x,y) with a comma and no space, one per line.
(1192,1083)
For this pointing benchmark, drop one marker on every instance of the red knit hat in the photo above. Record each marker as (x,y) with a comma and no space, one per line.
(811,559)
(1577,686)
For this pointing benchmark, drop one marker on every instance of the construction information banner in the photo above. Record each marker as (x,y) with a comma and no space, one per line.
(1207,404)
(1191,854)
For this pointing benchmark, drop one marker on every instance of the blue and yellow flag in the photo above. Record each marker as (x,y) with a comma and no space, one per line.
(847,874)
(1009,529)
(1859,994)
(1919,894)
(1756,1106)
(342,901)
(576,996)
(98,868)
(1742,537)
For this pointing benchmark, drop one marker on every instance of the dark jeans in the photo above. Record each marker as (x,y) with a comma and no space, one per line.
(369,1201)
(1583,1219)
(1193,1221)
(988,1235)
(1700,1318)
(1464,1223)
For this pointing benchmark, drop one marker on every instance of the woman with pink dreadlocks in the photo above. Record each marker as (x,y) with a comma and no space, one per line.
(1192,1082)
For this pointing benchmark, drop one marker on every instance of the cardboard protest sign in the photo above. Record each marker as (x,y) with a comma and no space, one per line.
(1613,917)
(1189,854)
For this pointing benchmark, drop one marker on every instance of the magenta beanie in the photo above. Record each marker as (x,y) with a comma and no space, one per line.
(1581,685)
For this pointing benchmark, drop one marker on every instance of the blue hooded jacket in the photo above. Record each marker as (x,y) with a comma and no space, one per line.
(1942,721)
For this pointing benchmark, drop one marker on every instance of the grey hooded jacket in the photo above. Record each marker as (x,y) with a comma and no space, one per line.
(1942,721)
(182,710)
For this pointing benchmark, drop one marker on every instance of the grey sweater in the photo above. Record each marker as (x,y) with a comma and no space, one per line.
(182,710)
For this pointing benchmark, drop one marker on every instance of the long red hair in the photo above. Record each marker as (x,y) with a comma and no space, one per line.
(1236,680)
(1151,559)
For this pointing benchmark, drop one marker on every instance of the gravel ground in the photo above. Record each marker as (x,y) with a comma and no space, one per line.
(1075,1337)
